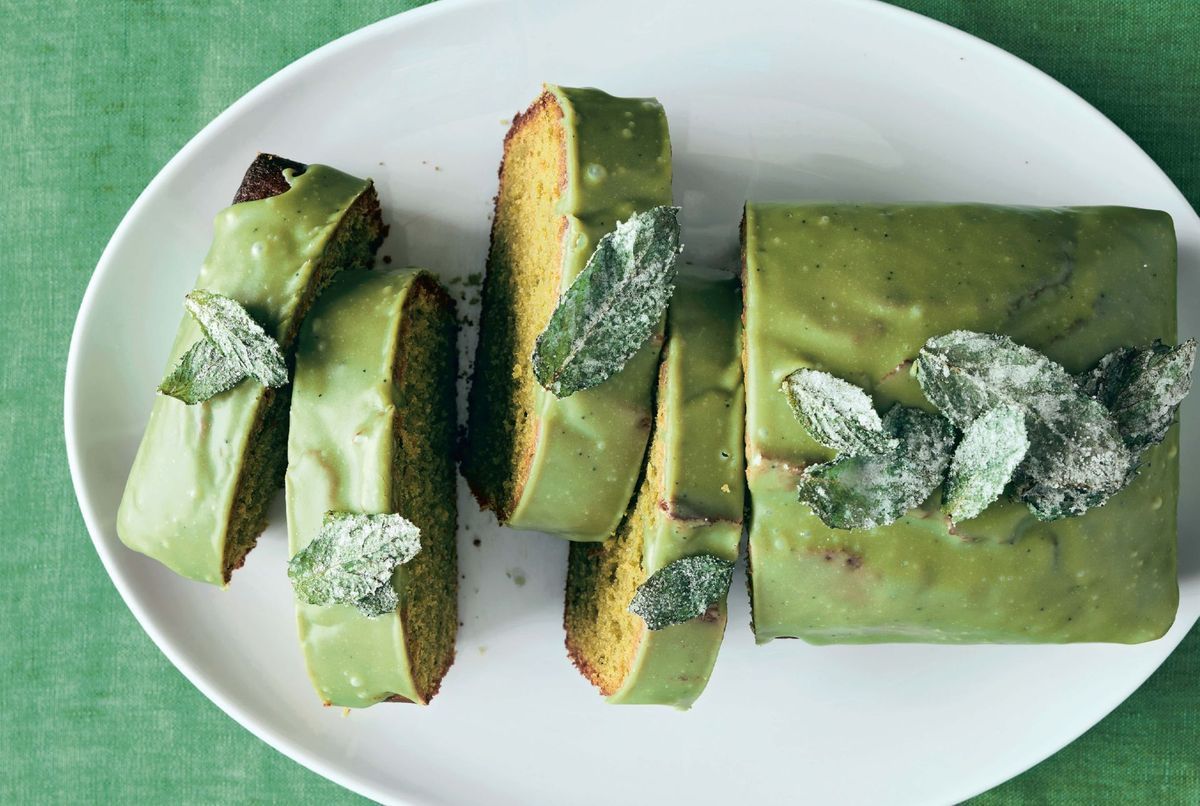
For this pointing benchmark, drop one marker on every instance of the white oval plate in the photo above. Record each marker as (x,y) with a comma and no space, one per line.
(784,99)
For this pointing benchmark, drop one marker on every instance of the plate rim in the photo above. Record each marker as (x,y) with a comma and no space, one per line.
(390,25)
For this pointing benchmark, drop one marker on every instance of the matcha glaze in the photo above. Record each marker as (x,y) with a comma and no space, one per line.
(590,445)
(178,500)
(856,291)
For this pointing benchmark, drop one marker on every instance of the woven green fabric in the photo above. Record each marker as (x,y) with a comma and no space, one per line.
(94,98)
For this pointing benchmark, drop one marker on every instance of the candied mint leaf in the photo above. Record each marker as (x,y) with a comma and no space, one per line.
(1143,388)
(836,413)
(613,306)
(965,374)
(243,342)
(682,590)
(989,451)
(352,559)
(870,490)
(1076,458)
(380,603)
(201,373)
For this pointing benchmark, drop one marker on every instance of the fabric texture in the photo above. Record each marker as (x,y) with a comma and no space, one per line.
(94,98)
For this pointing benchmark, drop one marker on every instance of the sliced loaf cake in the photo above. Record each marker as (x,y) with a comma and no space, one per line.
(196,499)
(689,503)
(373,424)
(575,163)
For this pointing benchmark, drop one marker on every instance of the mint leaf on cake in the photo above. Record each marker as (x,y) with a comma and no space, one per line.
(243,342)
(836,413)
(876,489)
(1143,388)
(1077,458)
(990,450)
(682,590)
(201,373)
(613,305)
(352,559)
(234,347)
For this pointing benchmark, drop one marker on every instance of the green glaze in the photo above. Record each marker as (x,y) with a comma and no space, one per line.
(590,445)
(340,459)
(177,500)
(856,290)
(699,449)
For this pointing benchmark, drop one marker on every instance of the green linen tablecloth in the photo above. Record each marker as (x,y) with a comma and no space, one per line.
(95,97)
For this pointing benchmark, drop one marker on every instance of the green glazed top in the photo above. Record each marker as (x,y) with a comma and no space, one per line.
(177,500)
(856,291)
(590,445)
(699,446)
(340,459)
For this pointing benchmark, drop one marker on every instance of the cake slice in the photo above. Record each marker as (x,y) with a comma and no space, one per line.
(373,425)
(689,502)
(575,163)
(197,495)
(856,291)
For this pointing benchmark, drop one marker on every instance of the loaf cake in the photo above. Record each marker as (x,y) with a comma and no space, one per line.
(197,493)
(373,423)
(575,163)
(855,291)
(689,502)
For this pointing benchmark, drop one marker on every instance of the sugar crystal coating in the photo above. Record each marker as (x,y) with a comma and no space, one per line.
(836,413)
(352,559)
(613,305)
(1076,459)
(682,590)
(870,490)
(1143,388)
(990,450)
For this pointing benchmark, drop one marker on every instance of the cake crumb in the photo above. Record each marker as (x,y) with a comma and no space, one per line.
(725,488)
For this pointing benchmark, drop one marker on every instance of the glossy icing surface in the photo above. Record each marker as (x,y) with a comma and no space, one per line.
(177,501)
(590,445)
(341,459)
(856,290)
(699,450)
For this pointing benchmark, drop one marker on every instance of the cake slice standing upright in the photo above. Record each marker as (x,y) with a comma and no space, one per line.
(197,495)
(576,163)
(689,505)
(373,425)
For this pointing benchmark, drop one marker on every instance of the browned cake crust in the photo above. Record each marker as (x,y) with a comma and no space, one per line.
(264,178)
(479,479)
(575,653)
(427,285)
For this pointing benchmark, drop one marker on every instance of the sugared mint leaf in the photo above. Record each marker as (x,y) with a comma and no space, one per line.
(613,306)
(869,490)
(836,413)
(241,340)
(352,559)
(682,590)
(1076,459)
(1143,388)
(201,373)
(989,451)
